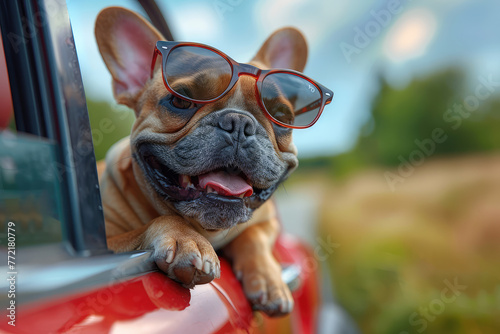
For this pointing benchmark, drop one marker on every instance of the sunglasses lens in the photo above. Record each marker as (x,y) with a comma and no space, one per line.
(291,99)
(197,73)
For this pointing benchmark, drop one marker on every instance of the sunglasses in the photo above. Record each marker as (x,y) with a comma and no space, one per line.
(201,74)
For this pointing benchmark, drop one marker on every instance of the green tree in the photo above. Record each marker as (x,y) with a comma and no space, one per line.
(400,116)
(109,124)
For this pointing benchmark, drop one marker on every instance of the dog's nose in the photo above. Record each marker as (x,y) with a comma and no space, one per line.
(240,126)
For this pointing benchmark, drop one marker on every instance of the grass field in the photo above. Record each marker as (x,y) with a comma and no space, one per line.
(424,258)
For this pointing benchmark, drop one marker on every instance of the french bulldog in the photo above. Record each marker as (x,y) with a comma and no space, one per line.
(195,178)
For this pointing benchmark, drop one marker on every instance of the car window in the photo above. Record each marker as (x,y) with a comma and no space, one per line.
(48,180)
(30,197)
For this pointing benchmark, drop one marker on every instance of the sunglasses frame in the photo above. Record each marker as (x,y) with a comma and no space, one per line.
(163,48)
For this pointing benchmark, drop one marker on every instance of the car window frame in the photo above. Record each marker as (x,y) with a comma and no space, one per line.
(49,102)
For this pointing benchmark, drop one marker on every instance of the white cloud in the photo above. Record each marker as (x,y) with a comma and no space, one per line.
(410,35)
(195,22)
(316,19)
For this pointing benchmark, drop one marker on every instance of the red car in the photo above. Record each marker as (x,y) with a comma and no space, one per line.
(123,294)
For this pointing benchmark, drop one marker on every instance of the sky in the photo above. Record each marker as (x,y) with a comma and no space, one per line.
(351,43)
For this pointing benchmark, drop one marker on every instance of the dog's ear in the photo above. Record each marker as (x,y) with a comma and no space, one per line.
(285,48)
(126,42)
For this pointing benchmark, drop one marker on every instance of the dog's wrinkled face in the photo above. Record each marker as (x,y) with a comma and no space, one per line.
(213,163)
(216,162)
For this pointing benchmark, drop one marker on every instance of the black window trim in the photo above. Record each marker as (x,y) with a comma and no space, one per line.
(49,101)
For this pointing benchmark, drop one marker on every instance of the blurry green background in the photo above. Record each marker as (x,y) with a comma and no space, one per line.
(408,230)
(403,169)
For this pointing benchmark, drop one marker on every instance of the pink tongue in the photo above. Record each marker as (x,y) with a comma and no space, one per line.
(226,184)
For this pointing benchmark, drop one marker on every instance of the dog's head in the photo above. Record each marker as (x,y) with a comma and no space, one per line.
(213,163)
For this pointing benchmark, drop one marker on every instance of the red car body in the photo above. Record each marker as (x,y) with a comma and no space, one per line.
(153,303)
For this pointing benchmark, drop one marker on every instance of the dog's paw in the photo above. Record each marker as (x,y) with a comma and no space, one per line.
(188,259)
(263,286)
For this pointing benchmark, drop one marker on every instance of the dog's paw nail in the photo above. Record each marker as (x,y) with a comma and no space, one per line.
(170,256)
(217,270)
(263,299)
(289,306)
(196,262)
(207,268)
(283,306)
